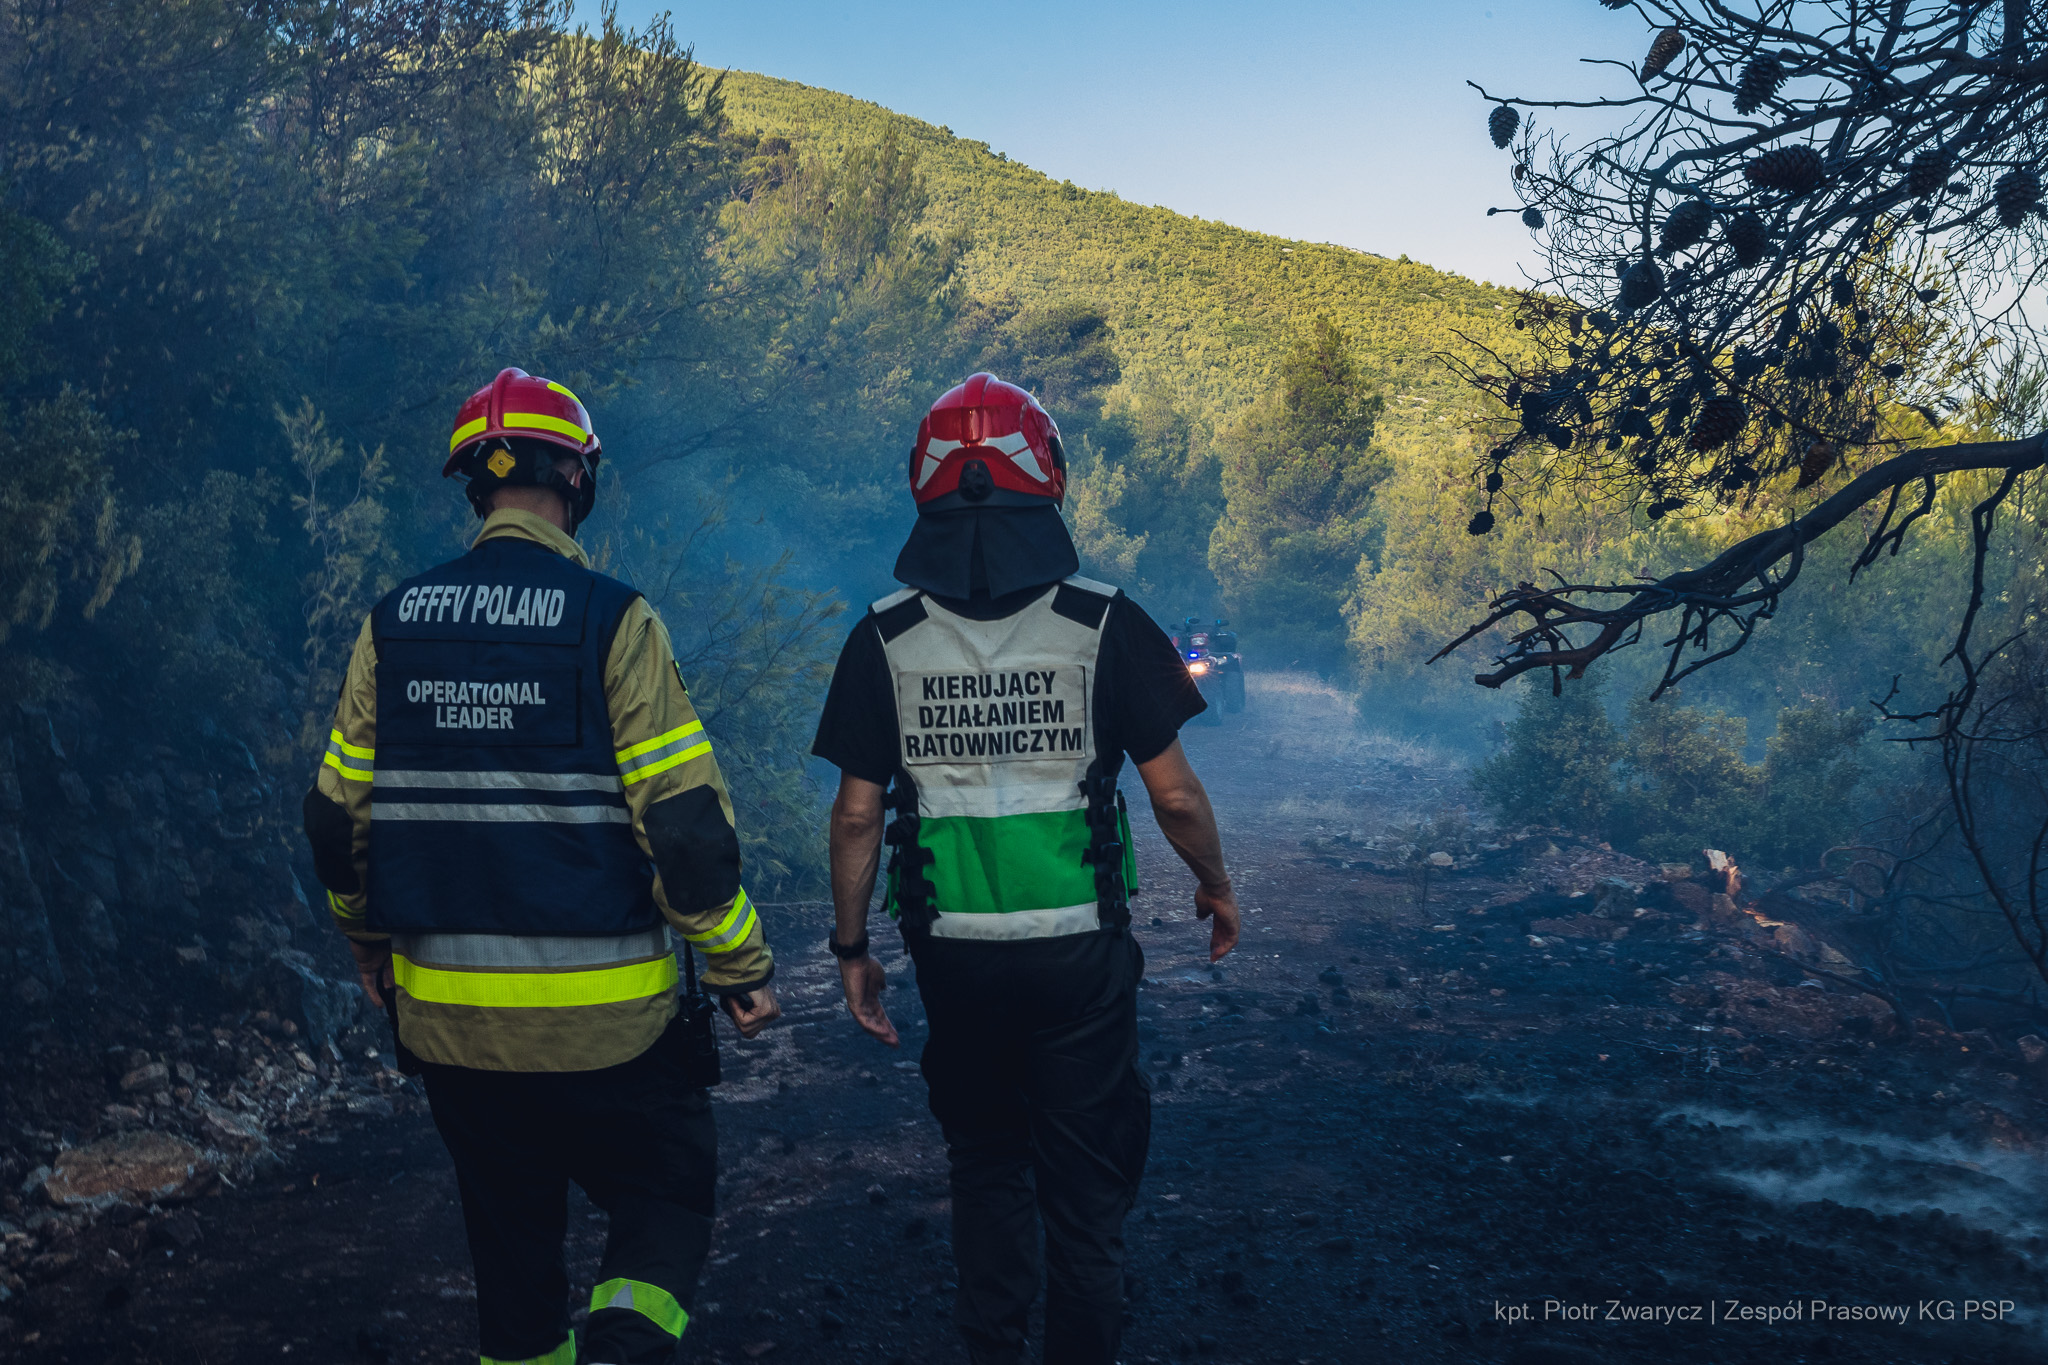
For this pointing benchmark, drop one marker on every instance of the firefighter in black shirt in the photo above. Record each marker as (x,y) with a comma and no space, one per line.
(990,706)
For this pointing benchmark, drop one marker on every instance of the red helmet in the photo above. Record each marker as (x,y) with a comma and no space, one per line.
(987,444)
(516,404)
(524,423)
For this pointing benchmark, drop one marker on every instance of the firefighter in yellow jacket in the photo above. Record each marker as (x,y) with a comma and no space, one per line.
(517,807)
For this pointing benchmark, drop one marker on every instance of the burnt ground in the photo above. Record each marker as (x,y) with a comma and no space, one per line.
(1467,1117)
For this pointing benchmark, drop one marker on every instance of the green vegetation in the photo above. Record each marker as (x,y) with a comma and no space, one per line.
(1673,781)
(1299,470)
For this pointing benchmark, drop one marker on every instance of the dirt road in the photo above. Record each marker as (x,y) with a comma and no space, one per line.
(1424,1113)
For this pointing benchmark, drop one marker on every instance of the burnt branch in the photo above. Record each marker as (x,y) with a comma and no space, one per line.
(1741,586)
(1795,252)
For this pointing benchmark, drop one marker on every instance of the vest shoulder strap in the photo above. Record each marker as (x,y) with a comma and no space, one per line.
(897,613)
(1083,601)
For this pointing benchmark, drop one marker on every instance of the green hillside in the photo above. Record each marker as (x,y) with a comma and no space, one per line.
(1202,308)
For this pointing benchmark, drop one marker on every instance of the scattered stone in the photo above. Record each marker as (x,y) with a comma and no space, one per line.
(1441,860)
(831,1324)
(232,1132)
(138,1167)
(2033,1050)
(154,1076)
(1307,1220)
(180,1231)
(1337,1246)
(877,1195)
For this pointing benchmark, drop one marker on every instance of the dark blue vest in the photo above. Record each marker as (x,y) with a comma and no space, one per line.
(497,806)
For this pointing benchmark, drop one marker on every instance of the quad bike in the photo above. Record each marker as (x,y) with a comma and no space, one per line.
(1210,653)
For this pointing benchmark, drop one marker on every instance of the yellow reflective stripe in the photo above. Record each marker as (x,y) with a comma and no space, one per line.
(642,774)
(565,393)
(467,430)
(732,931)
(695,727)
(341,911)
(543,422)
(565,1354)
(651,1301)
(335,741)
(599,986)
(333,760)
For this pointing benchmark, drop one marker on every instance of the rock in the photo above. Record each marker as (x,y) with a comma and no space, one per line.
(231,1132)
(122,1115)
(831,1324)
(1791,938)
(1579,926)
(1331,977)
(1336,1246)
(153,1076)
(1307,1220)
(877,1195)
(320,1006)
(180,1230)
(140,1167)
(2033,1051)
(1441,860)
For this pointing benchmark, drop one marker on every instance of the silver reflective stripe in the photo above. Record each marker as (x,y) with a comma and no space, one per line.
(508,814)
(1009,925)
(540,782)
(523,950)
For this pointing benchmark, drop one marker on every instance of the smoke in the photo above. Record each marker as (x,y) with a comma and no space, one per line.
(1996,1190)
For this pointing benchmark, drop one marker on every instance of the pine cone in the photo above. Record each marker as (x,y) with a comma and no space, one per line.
(1532,217)
(1480,524)
(1795,170)
(1686,226)
(1664,50)
(1929,172)
(2016,194)
(1760,80)
(1642,286)
(1721,419)
(1819,456)
(1843,291)
(1747,238)
(1503,123)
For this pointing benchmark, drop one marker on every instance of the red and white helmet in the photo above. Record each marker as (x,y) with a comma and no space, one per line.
(987,443)
(513,431)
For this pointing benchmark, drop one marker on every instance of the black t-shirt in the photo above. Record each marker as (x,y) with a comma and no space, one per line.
(1143,693)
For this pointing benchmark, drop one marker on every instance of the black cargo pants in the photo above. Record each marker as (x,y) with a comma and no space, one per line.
(1033,1068)
(641,1143)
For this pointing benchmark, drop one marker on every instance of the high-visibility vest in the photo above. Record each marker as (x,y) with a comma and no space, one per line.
(497,804)
(1008,825)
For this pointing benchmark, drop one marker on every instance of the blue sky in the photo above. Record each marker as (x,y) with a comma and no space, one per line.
(1309,119)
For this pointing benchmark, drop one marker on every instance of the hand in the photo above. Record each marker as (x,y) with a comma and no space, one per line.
(373,967)
(863,980)
(1218,904)
(760,1011)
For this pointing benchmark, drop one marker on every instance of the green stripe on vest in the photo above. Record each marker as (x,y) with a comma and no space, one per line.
(984,866)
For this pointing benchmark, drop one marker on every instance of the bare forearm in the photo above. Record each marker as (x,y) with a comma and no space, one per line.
(856,858)
(1180,803)
(1189,824)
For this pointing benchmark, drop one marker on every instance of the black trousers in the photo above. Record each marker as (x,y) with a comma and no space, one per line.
(1033,1068)
(644,1147)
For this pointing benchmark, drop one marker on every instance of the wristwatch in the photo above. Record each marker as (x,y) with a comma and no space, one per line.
(847,952)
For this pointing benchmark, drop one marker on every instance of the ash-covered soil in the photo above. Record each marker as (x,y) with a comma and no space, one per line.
(1544,1104)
